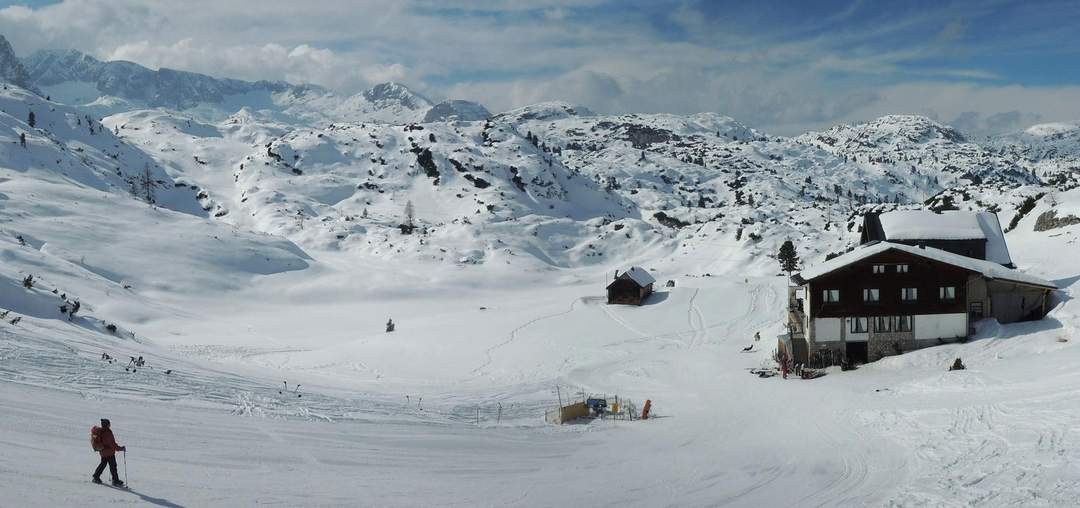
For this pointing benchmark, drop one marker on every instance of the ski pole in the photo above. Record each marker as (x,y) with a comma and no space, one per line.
(125,469)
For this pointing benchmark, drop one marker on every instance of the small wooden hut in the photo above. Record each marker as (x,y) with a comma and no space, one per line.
(631,287)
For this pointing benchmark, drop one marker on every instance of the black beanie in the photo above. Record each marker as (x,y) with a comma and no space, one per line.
(104,422)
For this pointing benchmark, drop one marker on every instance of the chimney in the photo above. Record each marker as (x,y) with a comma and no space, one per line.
(616,273)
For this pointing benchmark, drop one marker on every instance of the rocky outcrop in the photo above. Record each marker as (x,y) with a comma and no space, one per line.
(1049,220)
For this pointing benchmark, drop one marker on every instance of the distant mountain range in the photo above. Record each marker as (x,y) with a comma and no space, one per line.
(554,180)
(74,77)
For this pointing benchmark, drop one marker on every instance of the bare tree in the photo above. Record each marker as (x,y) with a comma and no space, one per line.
(145,183)
(410,214)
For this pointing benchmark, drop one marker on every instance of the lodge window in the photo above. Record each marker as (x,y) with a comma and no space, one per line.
(901,268)
(909,294)
(903,323)
(947,293)
(871,295)
(830,295)
(879,268)
(883,324)
(858,325)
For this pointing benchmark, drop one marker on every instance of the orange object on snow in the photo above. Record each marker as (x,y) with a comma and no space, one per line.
(645,411)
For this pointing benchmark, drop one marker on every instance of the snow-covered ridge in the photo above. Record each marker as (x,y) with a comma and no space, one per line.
(154,88)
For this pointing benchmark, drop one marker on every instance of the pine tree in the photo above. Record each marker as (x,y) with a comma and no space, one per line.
(788,258)
(410,214)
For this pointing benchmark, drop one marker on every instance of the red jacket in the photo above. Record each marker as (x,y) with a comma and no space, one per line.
(108,443)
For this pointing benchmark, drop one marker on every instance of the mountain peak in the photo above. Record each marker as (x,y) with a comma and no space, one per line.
(465,111)
(391,92)
(11,69)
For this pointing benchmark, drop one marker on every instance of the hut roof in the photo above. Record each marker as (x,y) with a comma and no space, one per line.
(915,225)
(988,269)
(638,275)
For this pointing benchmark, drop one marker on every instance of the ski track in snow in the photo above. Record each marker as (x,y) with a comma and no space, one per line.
(489,352)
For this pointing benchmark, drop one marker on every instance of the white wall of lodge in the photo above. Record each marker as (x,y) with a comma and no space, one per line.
(924,327)
(940,326)
(828,329)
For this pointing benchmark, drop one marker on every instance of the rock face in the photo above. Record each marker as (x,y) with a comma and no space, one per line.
(11,69)
(1049,220)
(161,88)
(457,110)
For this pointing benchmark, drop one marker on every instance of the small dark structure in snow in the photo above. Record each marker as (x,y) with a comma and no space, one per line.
(631,287)
(958,365)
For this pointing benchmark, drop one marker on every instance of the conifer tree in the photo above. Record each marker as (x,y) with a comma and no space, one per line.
(788,258)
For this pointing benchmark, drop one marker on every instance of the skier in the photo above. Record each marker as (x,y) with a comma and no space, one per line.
(389,325)
(105,444)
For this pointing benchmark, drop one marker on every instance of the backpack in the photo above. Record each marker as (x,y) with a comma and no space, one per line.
(95,439)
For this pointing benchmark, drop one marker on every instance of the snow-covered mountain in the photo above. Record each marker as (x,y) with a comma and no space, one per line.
(349,165)
(459,110)
(1051,146)
(78,78)
(384,103)
(105,88)
(11,68)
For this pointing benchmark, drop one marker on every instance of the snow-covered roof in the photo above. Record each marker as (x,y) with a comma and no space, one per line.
(988,269)
(913,225)
(638,275)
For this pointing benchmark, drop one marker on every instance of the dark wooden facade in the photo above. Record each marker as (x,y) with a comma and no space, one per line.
(924,274)
(625,290)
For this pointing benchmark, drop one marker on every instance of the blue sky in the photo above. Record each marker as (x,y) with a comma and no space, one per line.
(780,66)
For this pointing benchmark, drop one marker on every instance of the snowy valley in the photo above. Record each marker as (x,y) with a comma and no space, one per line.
(250,240)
